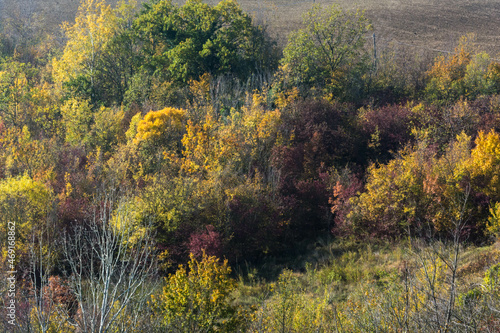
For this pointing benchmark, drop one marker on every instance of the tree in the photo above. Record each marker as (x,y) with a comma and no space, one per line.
(419,193)
(16,79)
(97,57)
(463,73)
(157,137)
(25,203)
(110,263)
(188,41)
(198,299)
(327,49)
(162,128)
(485,164)
(87,39)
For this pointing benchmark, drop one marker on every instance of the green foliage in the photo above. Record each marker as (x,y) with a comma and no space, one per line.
(77,117)
(87,39)
(96,128)
(477,79)
(446,77)
(106,131)
(463,73)
(187,41)
(168,203)
(198,299)
(250,174)
(16,79)
(329,49)
(278,315)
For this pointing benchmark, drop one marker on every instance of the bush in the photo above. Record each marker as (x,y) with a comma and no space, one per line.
(199,299)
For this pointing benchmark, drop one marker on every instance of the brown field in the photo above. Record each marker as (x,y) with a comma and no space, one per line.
(434,24)
(431,24)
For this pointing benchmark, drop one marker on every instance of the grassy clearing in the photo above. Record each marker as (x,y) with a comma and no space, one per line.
(347,269)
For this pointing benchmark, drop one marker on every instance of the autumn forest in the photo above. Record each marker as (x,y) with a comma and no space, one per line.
(173,167)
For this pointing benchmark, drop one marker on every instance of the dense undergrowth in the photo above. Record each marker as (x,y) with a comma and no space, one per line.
(169,168)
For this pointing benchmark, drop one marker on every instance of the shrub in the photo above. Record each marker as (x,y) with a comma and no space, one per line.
(198,299)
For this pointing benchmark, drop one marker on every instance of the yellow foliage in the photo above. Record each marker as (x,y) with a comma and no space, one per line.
(94,25)
(51,318)
(158,124)
(493,225)
(448,72)
(201,89)
(25,204)
(209,146)
(21,154)
(485,163)
(416,186)
(132,130)
(197,299)
(77,117)
(285,98)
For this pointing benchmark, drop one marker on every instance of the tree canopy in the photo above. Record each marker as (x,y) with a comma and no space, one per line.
(190,40)
(327,48)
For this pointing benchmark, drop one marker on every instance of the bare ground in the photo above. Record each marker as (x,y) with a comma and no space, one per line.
(431,24)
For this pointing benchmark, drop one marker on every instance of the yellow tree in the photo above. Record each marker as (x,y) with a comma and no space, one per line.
(209,146)
(21,154)
(446,77)
(24,205)
(260,130)
(157,136)
(94,26)
(161,126)
(484,164)
(198,299)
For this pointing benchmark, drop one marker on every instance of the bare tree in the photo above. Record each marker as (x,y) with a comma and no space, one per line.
(439,262)
(110,263)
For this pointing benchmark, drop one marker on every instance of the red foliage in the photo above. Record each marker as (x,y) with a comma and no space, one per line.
(393,124)
(344,189)
(60,293)
(208,241)
(322,132)
(255,226)
(322,135)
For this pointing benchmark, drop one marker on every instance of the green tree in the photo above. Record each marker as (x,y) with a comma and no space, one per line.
(329,49)
(187,41)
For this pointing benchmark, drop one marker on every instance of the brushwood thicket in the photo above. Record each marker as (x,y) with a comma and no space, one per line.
(171,168)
